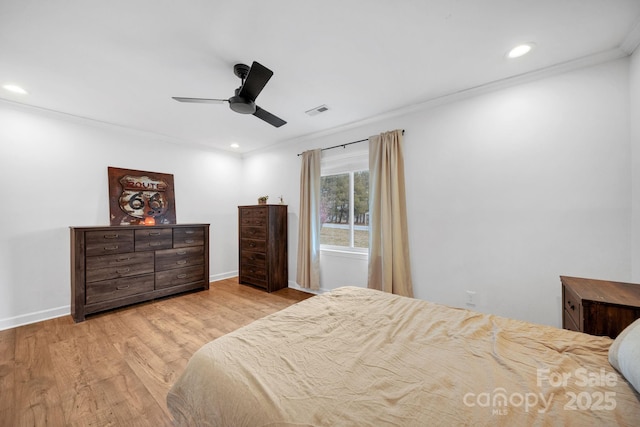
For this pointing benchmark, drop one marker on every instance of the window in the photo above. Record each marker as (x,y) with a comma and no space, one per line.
(344,203)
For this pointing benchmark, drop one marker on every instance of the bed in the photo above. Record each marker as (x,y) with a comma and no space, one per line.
(360,357)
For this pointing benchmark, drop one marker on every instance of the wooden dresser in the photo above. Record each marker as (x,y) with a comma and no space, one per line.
(263,246)
(120,265)
(599,307)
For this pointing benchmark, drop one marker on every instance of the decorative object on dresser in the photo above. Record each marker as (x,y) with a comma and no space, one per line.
(599,307)
(263,246)
(117,266)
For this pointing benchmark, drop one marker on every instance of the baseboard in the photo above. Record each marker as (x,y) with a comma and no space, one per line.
(38,316)
(294,285)
(222,276)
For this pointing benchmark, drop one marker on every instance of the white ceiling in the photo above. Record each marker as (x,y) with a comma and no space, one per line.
(121,61)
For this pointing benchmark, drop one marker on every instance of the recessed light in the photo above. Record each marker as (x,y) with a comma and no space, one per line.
(15,89)
(520,50)
(235,145)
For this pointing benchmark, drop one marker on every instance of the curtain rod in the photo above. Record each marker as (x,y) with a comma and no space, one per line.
(344,145)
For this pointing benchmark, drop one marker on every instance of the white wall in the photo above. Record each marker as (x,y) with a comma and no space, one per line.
(53,170)
(505,191)
(634,79)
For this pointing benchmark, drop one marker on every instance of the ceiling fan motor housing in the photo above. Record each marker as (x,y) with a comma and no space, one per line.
(241,105)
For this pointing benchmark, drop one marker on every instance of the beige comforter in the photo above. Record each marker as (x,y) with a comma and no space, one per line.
(359,357)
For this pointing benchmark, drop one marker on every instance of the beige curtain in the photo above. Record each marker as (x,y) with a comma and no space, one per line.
(308,273)
(389,267)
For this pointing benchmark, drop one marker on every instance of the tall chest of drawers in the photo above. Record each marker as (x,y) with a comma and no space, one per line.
(263,246)
(120,265)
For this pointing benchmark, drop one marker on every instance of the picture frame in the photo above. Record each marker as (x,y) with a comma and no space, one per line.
(140,197)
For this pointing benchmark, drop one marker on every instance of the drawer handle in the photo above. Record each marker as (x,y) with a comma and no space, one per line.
(189,241)
(181,276)
(110,236)
(111,248)
(182,253)
(571,306)
(155,244)
(119,288)
(124,270)
(189,232)
(252,244)
(154,233)
(182,262)
(123,259)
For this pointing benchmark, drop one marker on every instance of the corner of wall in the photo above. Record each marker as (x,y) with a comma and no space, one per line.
(634,137)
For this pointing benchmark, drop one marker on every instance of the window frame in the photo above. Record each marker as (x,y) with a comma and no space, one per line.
(350,164)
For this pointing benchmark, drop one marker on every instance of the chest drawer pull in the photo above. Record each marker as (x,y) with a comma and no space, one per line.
(182,262)
(111,248)
(188,241)
(182,253)
(189,232)
(154,233)
(123,270)
(119,288)
(110,236)
(181,276)
(123,259)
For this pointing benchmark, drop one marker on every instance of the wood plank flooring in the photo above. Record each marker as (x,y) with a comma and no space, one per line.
(116,368)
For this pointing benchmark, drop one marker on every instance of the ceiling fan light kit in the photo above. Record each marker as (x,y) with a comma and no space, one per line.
(254,79)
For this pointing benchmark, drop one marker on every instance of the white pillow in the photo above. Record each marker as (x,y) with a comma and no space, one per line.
(624,354)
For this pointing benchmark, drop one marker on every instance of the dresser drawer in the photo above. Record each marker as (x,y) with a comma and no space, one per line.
(572,305)
(254,275)
(153,238)
(179,276)
(118,288)
(259,221)
(108,242)
(118,265)
(185,237)
(254,221)
(253,258)
(251,232)
(253,245)
(253,212)
(168,259)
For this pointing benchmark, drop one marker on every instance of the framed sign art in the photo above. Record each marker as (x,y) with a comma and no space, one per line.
(139,197)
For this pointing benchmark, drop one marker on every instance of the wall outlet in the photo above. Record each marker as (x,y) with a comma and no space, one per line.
(471,298)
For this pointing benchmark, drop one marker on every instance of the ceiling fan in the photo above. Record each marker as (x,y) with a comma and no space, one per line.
(254,79)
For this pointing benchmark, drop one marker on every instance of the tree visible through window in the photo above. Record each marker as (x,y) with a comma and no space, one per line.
(344,209)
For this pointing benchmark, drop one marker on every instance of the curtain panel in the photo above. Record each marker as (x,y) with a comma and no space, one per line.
(389,266)
(308,272)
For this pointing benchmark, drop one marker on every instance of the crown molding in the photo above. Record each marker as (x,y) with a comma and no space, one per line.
(539,74)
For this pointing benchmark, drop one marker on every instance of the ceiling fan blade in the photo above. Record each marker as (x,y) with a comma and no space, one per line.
(201,100)
(257,78)
(268,117)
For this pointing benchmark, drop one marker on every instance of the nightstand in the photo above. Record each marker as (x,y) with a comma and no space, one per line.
(599,307)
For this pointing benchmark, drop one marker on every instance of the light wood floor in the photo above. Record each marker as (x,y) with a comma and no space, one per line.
(116,368)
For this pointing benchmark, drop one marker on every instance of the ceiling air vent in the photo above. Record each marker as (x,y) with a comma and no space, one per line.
(317,110)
